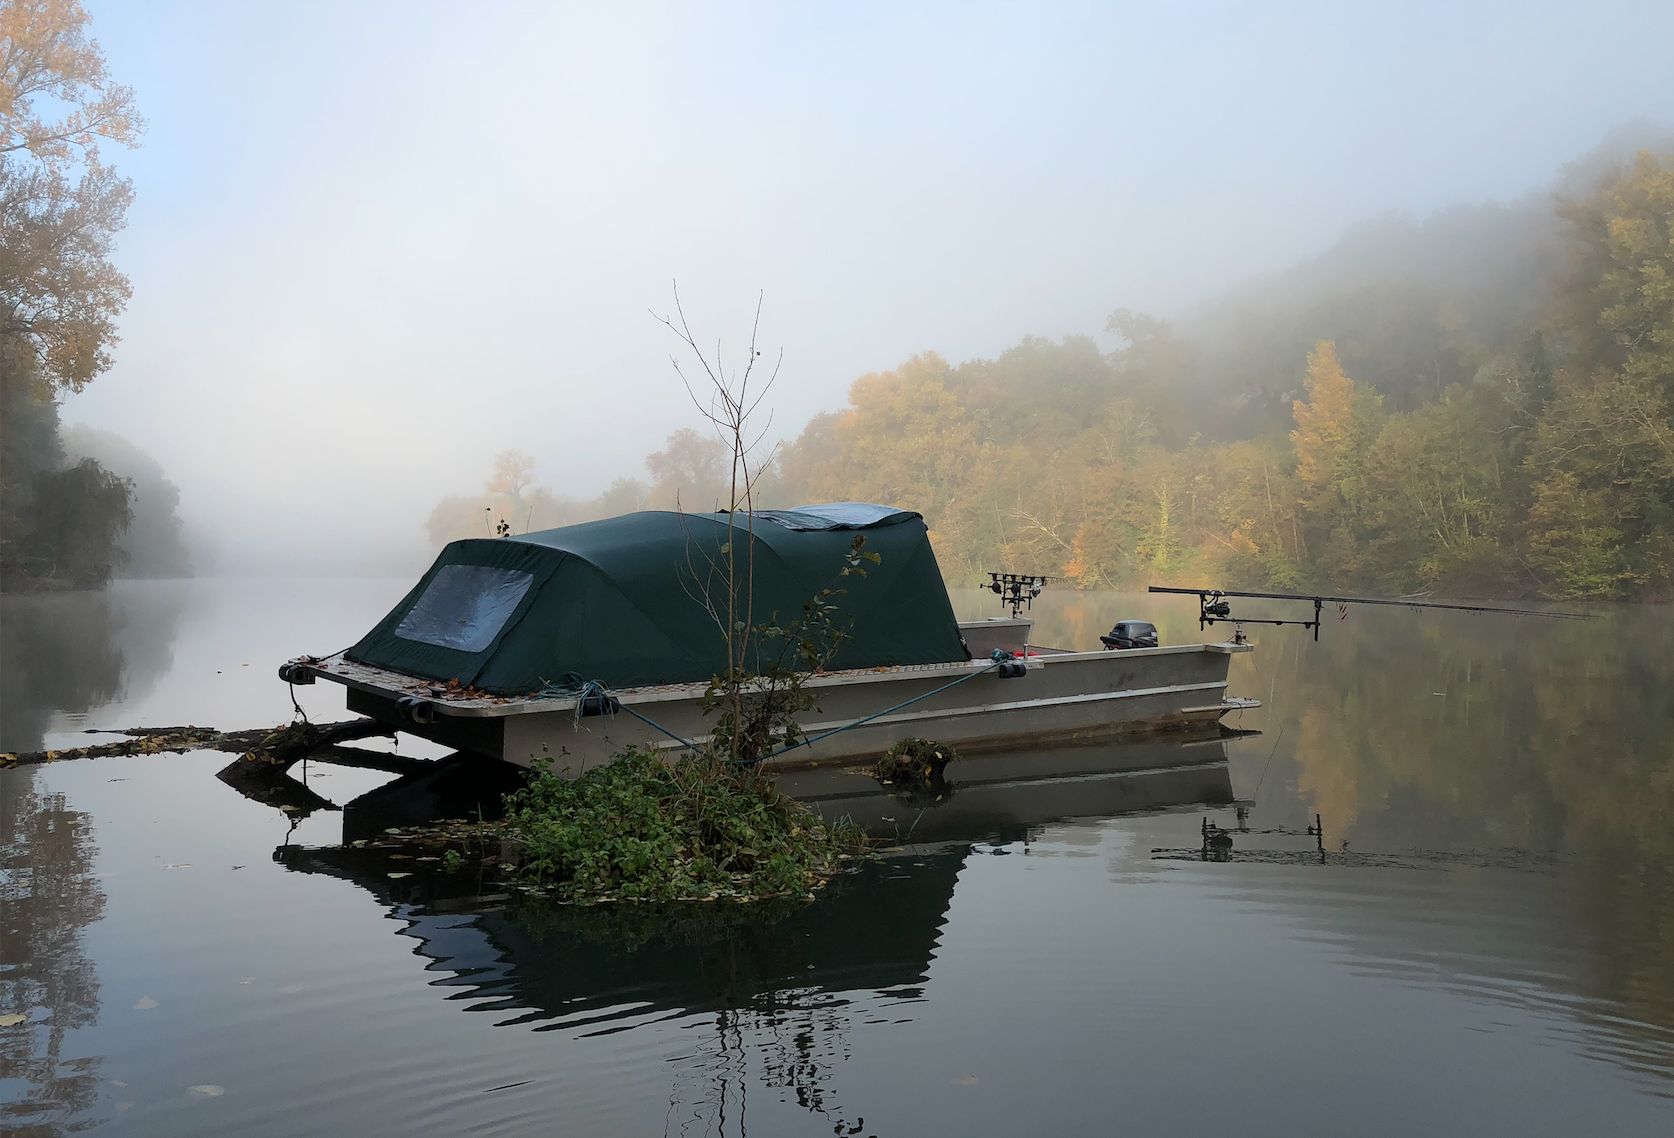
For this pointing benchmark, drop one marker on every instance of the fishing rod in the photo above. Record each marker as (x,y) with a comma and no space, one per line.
(1214,609)
(1018,590)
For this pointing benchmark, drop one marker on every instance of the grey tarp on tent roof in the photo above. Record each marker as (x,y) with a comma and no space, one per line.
(837,515)
(621,601)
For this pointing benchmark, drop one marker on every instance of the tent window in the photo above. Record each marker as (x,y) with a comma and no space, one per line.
(465,607)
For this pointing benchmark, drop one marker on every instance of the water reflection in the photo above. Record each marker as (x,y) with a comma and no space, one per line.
(1494,734)
(1406,729)
(875,930)
(1475,735)
(782,980)
(72,652)
(48,987)
(1531,798)
(1507,937)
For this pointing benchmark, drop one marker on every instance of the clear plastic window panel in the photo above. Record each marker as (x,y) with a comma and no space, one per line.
(465,607)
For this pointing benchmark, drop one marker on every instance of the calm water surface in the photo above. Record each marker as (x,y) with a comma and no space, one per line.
(1486,946)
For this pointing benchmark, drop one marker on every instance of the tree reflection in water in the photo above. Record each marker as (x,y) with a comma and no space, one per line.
(1468,734)
(73,652)
(48,895)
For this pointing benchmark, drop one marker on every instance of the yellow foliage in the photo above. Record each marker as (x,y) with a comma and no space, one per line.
(1325,771)
(48,56)
(1324,433)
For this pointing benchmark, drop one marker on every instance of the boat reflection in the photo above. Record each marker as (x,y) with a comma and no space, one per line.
(1002,795)
(875,930)
(789,979)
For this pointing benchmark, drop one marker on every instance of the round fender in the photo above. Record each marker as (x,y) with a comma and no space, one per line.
(420,711)
(295,673)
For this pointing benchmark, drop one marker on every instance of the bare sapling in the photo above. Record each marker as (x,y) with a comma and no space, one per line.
(760,693)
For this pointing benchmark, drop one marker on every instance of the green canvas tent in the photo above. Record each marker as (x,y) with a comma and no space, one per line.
(619,601)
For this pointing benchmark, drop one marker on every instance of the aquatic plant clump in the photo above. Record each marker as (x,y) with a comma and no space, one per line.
(914,760)
(638,828)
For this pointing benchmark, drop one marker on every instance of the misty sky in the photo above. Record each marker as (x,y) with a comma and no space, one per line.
(373,244)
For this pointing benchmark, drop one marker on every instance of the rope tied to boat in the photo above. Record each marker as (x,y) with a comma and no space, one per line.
(591,698)
(1001,659)
(594,696)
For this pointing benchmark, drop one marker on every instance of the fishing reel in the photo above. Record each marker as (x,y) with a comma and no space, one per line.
(1214,608)
(1018,590)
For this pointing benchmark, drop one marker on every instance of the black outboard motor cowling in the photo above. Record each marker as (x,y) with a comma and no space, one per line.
(1131,634)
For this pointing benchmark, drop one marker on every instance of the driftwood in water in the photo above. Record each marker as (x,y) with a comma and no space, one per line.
(279,747)
(263,773)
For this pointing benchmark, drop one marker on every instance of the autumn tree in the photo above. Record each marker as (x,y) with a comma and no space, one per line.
(513,471)
(60,206)
(47,54)
(1601,522)
(60,295)
(691,472)
(510,503)
(1324,434)
(1333,427)
(1433,509)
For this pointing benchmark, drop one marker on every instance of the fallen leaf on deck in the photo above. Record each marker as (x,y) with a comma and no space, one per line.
(400,875)
(206,1090)
(12,1019)
(146,1003)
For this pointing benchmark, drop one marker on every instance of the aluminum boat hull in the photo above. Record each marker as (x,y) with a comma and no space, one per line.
(1061,697)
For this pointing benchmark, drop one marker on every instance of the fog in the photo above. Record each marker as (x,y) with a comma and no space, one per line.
(372,245)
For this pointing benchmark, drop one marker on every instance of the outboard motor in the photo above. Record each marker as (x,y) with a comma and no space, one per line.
(1131,634)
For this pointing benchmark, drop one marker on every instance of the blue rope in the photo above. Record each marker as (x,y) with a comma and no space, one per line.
(904,703)
(591,688)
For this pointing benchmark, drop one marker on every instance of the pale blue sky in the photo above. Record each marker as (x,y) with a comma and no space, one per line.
(375,243)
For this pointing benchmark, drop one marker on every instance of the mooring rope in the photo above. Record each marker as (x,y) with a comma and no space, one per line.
(609,706)
(992,664)
(589,689)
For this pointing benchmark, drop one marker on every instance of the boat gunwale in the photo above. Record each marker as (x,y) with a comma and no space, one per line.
(501,707)
(832,726)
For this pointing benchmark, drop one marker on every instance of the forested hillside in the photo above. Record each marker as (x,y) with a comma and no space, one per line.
(1477,405)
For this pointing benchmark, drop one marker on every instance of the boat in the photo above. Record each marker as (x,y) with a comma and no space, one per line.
(575,643)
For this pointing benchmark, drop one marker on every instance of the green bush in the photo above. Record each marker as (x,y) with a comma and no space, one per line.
(638,828)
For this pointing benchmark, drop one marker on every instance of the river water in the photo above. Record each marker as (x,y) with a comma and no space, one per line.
(1481,941)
